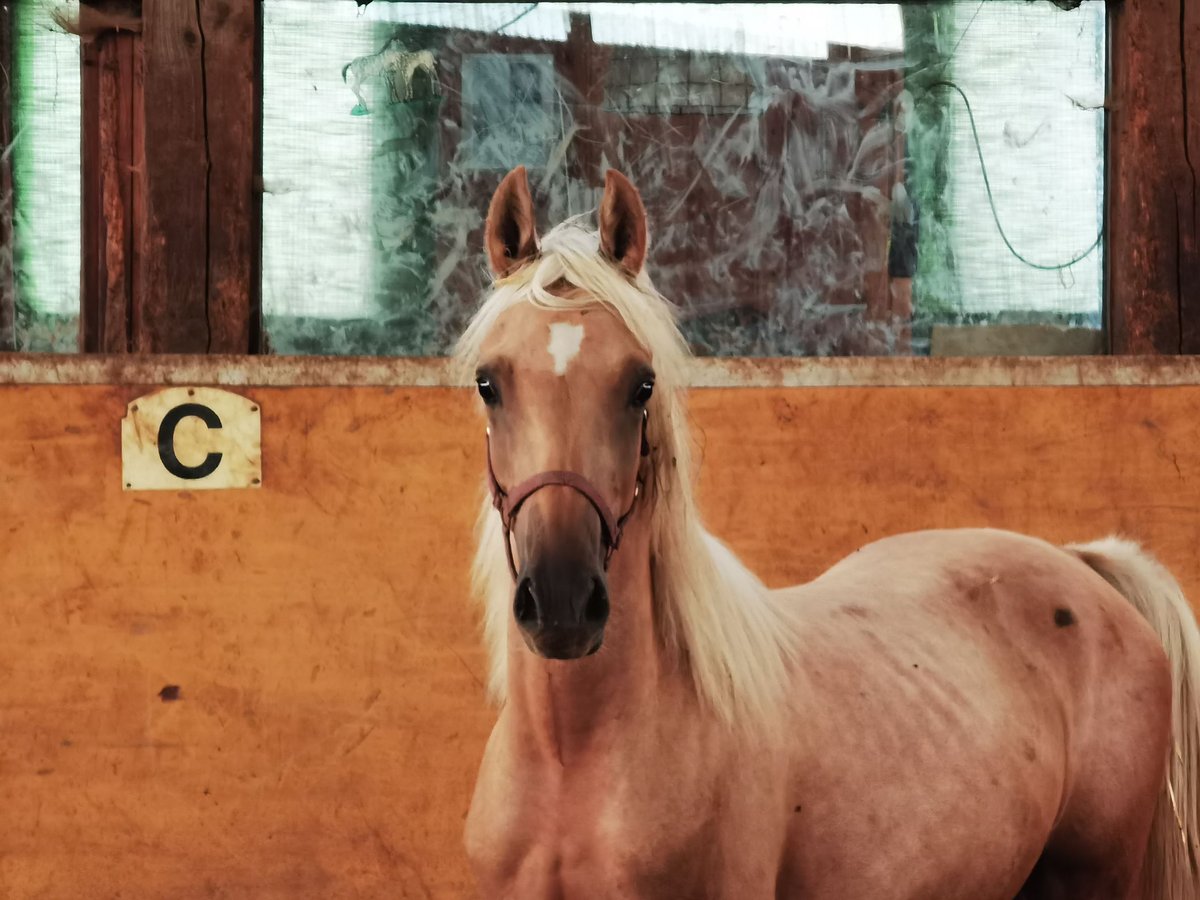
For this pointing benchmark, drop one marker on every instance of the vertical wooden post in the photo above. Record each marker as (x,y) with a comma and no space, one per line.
(171,306)
(230,37)
(171,214)
(1154,167)
(585,65)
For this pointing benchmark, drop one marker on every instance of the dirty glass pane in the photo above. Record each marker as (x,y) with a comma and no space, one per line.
(812,171)
(46,178)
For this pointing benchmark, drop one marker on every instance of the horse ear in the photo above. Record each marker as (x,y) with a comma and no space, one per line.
(623,237)
(510,232)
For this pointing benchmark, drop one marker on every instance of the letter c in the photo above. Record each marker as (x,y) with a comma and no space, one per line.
(166,441)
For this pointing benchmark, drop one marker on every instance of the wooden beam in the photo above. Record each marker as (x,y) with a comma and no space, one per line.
(170,210)
(230,35)
(171,307)
(1154,165)
(584,64)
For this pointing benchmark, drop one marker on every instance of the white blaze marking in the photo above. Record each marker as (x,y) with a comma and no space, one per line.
(564,345)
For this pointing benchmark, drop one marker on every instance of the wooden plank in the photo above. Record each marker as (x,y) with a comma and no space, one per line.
(112,135)
(230,36)
(1154,163)
(277,693)
(171,304)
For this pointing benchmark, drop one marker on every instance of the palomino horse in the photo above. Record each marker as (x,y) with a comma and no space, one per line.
(949,715)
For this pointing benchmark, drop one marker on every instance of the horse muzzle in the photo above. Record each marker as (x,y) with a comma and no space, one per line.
(561,608)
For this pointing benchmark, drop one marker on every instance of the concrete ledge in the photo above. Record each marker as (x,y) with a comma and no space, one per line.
(307,371)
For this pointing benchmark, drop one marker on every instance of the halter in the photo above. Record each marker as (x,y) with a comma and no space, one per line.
(508,503)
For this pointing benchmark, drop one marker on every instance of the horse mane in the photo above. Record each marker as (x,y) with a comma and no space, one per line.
(713,615)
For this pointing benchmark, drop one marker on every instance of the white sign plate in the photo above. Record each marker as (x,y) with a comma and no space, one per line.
(191,439)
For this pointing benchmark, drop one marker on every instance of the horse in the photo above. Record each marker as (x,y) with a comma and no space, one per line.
(399,64)
(958,714)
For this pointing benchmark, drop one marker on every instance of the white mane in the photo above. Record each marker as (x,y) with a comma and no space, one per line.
(713,615)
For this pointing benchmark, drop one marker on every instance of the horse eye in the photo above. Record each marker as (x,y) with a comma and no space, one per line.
(487,391)
(643,393)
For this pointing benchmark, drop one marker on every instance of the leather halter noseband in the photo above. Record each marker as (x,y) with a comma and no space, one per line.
(508,503)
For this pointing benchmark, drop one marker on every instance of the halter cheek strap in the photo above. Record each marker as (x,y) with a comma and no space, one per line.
(508,503)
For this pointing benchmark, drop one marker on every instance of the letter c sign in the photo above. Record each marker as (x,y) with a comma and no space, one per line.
(166,441)
(191,439)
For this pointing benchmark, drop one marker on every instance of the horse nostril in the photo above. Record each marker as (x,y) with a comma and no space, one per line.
(525,605)
(596,610)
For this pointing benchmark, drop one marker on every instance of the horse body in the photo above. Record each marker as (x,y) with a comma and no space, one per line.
(973,702)
(952,689)
(959,715)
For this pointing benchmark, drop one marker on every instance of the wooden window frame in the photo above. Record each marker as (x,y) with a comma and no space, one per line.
(172,188)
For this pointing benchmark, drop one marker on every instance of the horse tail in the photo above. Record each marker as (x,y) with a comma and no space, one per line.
(346,68)
(1172,867)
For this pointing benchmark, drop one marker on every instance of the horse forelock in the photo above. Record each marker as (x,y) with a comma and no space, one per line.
(713,615)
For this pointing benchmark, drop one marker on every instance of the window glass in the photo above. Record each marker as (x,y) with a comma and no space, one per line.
(821,178)
(46,178)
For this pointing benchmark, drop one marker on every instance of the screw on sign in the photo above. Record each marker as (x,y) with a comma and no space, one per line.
(198,438)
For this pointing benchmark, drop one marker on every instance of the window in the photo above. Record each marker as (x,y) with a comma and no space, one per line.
(46,179)
(812,171)
(822,178)
(1032,251)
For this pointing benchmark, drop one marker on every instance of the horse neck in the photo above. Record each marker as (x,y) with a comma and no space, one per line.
(564,709)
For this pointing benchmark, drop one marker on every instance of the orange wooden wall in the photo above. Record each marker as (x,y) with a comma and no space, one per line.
(330,714)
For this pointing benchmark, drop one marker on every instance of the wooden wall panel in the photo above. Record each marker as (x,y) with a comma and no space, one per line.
(330,718)
(321,746)
(821,472)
